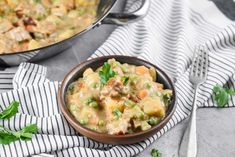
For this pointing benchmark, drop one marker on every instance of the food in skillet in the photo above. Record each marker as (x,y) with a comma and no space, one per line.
(118,98)
(30,24)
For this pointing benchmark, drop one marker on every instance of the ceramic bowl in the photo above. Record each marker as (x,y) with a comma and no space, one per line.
(77,72)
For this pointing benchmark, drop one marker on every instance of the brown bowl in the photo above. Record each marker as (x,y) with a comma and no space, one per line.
(106,138)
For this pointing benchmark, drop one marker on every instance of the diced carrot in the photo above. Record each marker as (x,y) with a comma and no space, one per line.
(29,27)
(143,93)
(25,46)
(140,70)
(93,120)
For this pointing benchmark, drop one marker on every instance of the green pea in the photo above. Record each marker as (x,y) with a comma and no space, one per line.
(101,123)
(153,121)
(71,87)
(83,121)
(94,104)
(140,115)
(148,85)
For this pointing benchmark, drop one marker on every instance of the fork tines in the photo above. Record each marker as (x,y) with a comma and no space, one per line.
(200,62)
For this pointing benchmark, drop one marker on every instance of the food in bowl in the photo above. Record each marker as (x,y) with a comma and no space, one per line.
(118,98)
(31,24)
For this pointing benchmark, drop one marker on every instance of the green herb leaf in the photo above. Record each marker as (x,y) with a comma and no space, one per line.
(117,113)
(126,80)
(221,95)
(230,91)
(106,73)
(155,153)
(10,111)
(7,136)
(30,128)
(26,133)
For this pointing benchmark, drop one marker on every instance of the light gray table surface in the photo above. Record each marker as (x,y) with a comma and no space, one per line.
(216,127)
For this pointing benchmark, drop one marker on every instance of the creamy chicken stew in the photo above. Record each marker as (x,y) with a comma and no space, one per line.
(30,24)
(118,98)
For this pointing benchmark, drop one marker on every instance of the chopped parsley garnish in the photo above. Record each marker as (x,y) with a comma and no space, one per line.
(117,113)
(125,80)
(221,95)
(155,153)
(106,73)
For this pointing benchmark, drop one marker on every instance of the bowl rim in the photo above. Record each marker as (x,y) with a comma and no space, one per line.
(72,121)
(94,24)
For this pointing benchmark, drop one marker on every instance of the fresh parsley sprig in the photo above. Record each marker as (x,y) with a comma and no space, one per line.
(6,135)
(221,95)
(10,111)
(125,80)
(117,113)
(106,73)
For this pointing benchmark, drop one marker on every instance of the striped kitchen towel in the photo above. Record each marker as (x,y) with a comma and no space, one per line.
(166,37)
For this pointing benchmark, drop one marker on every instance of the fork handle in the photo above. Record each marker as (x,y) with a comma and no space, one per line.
(188,146)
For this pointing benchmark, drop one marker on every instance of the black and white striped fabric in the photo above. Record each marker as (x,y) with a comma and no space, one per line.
(166,37)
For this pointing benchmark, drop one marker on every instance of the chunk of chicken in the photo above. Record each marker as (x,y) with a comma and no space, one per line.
(7,45)
(110,105)
(153,106)
(18,34)
(5,25)
(118,127)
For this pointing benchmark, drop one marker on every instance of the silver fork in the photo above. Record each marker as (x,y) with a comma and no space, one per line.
(198,74)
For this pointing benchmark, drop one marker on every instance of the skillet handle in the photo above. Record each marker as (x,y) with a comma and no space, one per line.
(125,18)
